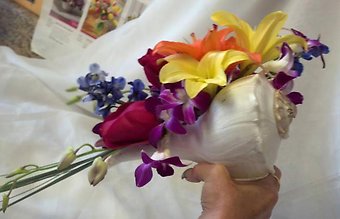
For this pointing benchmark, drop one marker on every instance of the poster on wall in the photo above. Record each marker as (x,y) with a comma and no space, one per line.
(74,24)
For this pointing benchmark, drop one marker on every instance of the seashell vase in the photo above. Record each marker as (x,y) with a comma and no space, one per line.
(242,129)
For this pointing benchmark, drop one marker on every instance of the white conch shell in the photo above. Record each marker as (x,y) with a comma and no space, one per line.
(239,130)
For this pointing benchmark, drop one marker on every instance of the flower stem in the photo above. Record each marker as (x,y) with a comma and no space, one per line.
(55,175)
(42,176)
(70,173)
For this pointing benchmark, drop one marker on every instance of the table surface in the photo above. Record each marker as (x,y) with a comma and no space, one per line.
(17,27)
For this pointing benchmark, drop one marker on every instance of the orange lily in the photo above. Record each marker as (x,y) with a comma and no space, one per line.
(215,40)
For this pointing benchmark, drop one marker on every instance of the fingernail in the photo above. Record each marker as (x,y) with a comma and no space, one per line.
(184,174)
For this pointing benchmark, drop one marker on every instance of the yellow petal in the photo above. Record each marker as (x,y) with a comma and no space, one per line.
(211,89)
(243,30)
(179,67)
(193,87)
(232,56)
(211,66)
(273,52)
(267,32)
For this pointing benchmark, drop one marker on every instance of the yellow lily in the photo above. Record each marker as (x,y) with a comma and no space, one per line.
(208,73)
(265,39)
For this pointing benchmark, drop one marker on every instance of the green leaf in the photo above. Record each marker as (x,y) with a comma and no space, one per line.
(99,27)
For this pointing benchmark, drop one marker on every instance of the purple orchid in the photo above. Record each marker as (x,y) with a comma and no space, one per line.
(143,173)
(285,63)
(176,109)
(171,122)
(281,80)
(284,83)
(179,98)
(286,68)
(315,48)
(295,97)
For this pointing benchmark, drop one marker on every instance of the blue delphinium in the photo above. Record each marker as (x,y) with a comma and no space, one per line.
(297,66)
(106,93)
(315,48)
(94,77)
(137,90)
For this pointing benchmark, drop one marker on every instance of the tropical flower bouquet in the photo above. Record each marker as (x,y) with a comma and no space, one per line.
(107,14)
(226,98)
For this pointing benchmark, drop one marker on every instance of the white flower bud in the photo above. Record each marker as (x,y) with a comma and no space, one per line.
(67,159)
(97,171)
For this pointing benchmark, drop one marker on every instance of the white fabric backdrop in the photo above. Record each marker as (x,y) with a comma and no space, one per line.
(36,125)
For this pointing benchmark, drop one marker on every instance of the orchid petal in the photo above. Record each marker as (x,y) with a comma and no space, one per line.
(165,170)
(293,73)
(288,87)
(281,79)
(168,97)
(174,161)
(295,97)
(202,101)
(162,107)
(143,174)
(175,126)
(163,111)
(298,33)
(156,134)
(284,64)
(177,112)
(145,158)
(189,113)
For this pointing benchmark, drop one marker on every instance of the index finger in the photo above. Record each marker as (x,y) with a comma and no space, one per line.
(207,172)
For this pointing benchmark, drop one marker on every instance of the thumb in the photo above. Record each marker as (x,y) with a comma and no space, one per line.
(206,172)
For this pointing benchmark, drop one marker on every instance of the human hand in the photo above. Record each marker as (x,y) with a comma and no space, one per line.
(224,198)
